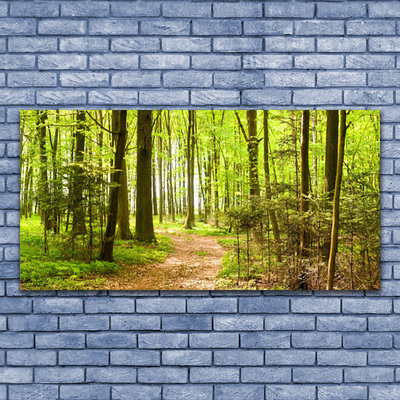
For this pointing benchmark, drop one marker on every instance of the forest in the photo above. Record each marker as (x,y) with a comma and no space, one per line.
(200,199)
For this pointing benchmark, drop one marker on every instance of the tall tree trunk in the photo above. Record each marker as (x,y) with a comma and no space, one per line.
(124,231)
(171,187)
(315,159)
(78,216)
(268,190)
(336,200)
(160,171)
(189,222)
(144,216)
(154,191)
(304,201)
(119,130)
(331,156)
(252,146)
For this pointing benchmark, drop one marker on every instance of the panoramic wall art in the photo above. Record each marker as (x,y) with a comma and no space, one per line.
(200,200)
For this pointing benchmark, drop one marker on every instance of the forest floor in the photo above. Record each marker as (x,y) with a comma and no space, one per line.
(193,265)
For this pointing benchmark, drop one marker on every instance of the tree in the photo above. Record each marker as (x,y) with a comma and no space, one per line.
(336,200)
(144,217)
(124,231)
(119,130)
(189,222)
(304,201)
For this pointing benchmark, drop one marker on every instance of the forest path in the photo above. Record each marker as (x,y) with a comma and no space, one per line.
(193,265)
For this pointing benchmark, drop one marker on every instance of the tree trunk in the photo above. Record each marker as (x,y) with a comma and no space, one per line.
(144,216)
(189,222)
(304,201)
(118,129)
(154,191)
(252,146)
(160,173)
(78,216)
(336,200)
(171,187)
(124,231)
(268,190)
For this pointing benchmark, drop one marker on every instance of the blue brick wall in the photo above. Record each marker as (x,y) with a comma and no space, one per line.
(199,345)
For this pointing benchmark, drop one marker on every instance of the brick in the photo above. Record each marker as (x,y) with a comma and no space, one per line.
(3,319)
(135,322)
(163,375)
(370,61)
(113,61)
(193,45)
(345,11)
(264,375)
(319,340)
(384,44)
(315,96)
(32,79)
(61,61)
(110,375)
(268,27)
(290,357)
(367,306)
(136,392)
(136,79)
(289,323)
(19,26)
(367,341)
(187,79)
(288,10)
(214,375)
(37,392)
(382,10)
(387,323)
(59,375)
(8,166)
(241,323)
(138,44)
(16,340)
(37,9)
(238,10)
(368,97)
(214,340)
(85,9)
(318,27)
(101,306)
(326,306)
(31,357)
(113,26)
(289,392)
(16,375)
(163,340)
(83,357)
(366,28)
(212,305)
(15,306)
(384,357)
(237,45)
(113,97)
(135,357)
(341,323)
(98,392)
(39,323)
(8,235)
(216,27)
(266,340)
(10,270)
(32,45)
(319,61)
(369,375)
(345,392)
(57,306)
(83,79)
(87,45)
(186,357)
(175,98)
(387,199)
(216,62)
(111,340)
(12,183)
(238,80)
(84,322)
(262,96)
(384,78)
(164,61)
(342,78)
(180,9)
(138,9)
(11,254)
(317,375)
(239,392)
(289,79)
(238,357)
(264,305)
(179,392)
(341,45)
(342,358)
(61,27)
(187,323)
(14,61)
(217,97)
(165,28)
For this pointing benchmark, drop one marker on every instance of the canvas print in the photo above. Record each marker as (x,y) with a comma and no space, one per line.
(200,199)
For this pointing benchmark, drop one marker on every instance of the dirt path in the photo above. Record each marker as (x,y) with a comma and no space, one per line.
(192,266)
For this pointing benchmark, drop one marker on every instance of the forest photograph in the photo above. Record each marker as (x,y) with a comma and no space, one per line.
(200,200)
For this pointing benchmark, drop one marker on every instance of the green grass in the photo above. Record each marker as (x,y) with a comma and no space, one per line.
(62,268)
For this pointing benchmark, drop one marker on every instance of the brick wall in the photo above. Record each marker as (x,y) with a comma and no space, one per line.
(199,345)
